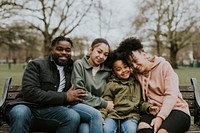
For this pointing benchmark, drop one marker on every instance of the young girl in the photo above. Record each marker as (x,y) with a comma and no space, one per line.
(160,85)
(124,90)
(90,74)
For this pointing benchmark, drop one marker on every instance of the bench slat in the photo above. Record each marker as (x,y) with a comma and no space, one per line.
(186,88)
(188,95)
(16,88)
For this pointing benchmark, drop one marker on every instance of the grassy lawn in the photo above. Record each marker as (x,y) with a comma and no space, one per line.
(16,73)
(186,73)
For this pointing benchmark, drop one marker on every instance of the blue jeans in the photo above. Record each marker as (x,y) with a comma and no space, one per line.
(84,127)
(127,126)
(20,118)
(91,116)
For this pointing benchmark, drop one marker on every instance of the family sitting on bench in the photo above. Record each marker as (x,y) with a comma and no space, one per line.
(106,91)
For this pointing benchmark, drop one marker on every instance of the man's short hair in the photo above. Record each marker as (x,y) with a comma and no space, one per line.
(61,38)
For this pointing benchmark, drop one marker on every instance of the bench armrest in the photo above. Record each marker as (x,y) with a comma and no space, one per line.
(3,98)
(197,97)
(5,91)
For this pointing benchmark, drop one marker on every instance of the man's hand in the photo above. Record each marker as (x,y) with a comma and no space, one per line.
(74,95)
(110,105)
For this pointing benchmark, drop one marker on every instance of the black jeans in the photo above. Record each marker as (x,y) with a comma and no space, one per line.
(176,122)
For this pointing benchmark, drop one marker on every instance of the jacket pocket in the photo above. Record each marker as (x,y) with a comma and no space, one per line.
(47,82)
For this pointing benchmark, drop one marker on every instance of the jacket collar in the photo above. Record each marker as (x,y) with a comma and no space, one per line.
(88,66)
(113,78)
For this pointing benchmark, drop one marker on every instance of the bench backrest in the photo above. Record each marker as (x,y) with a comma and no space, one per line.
(190,94)
(187,92)
(12,92)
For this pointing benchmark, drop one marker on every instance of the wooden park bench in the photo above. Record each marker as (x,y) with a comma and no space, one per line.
(190,94)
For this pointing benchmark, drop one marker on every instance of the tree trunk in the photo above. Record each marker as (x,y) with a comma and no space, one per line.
(47,45)
(173,55)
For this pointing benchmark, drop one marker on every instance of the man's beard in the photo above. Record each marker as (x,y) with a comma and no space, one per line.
(61,63)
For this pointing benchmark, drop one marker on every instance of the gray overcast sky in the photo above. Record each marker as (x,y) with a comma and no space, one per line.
(120,20)
(114,26)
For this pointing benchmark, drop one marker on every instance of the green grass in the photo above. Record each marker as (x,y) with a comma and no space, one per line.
(17,70)
(185,74)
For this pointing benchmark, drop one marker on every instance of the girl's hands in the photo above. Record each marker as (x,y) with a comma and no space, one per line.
(154,110)
(110,105)
(103,121)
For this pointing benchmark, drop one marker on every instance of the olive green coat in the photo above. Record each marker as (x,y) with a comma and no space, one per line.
(127,99)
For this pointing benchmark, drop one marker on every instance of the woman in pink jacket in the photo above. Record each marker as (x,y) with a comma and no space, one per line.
(160,86)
